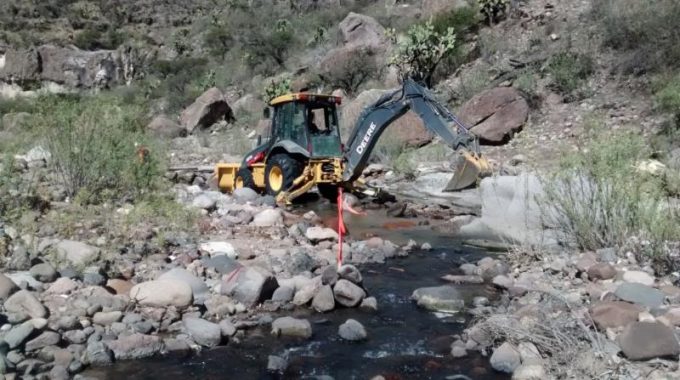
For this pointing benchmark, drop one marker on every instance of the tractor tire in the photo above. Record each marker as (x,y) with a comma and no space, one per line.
(244,178)
(280,172)
(328,191)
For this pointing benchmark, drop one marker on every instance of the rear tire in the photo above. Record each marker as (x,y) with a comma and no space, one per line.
(244,178)
(280,173)
(328,191)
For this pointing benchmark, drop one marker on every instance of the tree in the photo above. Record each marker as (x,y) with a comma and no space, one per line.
(218,40)
(349,70)
(420,51)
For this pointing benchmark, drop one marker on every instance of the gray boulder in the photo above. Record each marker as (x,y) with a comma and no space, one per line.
(505,358)
(283,294)
(135,346)
(644,341)
(348,294)
(7,287)
(47,338)
(98,354)
(106,318)
(323,301)
(203,332)
(162,293)
(199,289)
(352,330)
(268,218)
(292,327)
(44,272)
(162,126)
(351,273)
(76,253)
(316,234)
(640,294)
(24,302)
(249,285)
(18,334)
(245,194)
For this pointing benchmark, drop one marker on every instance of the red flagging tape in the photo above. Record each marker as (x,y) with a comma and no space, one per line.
(341,227)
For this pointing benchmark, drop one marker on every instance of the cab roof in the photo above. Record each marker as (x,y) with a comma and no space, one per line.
(305,97)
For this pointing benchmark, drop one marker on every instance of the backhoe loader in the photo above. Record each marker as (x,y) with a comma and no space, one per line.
(303,148)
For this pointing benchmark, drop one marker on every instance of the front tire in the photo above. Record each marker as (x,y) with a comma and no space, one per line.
(280,172)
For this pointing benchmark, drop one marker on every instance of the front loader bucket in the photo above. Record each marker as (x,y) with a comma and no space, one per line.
(469,167)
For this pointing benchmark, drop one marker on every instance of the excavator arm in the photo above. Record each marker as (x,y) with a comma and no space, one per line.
(375,119)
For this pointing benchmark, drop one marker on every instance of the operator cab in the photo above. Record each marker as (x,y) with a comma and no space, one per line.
(309,121)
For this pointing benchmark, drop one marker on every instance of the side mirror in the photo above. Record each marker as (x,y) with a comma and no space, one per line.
(266,113)
(259,140)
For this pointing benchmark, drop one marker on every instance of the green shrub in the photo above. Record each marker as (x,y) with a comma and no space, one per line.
(276,87)
(96,146)
(646,28)
(461,20)
(93,39)
(492,10)
(218,40)
(419,52)
(352,70)
(599,199)
(569,70)
(668,99)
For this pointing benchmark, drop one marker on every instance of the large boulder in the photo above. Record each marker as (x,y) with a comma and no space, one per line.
(162,126)
(358,29)
(20,65)
(162,293)
(199,289)
(348,294)
(643,341)
(496,114)
(249,285)
(408,129)
(76,253)
(640,294)
(511,214)
(249,104)
(208,109)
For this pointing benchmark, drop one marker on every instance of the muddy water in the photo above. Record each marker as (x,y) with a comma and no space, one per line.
(405,342)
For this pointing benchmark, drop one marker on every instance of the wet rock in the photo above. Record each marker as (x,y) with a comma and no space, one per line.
(18,334)
(283,294)
(638,277)
(205,333)
(227,328)
(217,248)
(44,272)
(7,287)
(276,364)
(601,271)
(63,285)
(323,301)
(76,253)
(329,275)
(268,218)
(640,294)
(614,314)
(208,108)
(222,264)
(47,338)
(643,341)
(162,293)
(352,330)
(351,273)
(529,372)
(107,318)
(24,302)
(348,294)
(317,234)
(250,285)
(199,289)
(439,298)
(293,327)
(505,358)
(369,303)
(98,354)
(135,346)
(176,346)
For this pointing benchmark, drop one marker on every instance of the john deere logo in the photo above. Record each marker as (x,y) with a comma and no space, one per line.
(367,137)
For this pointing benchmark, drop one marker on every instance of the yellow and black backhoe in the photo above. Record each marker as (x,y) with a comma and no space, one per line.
(303,148)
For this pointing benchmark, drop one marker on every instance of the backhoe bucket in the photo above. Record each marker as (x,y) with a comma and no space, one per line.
(469,168)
